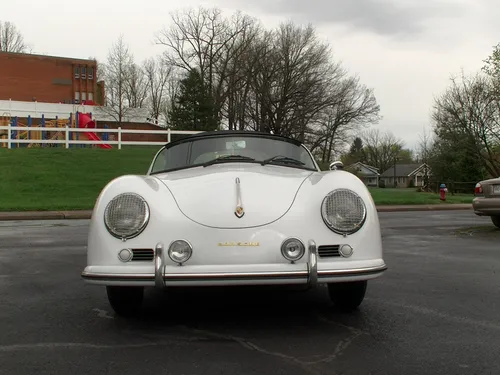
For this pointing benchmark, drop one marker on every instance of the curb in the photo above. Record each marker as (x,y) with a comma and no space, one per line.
(45,215)
(425,207)
(86,214)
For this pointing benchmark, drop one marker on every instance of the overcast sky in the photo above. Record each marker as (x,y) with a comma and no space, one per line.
(404,49)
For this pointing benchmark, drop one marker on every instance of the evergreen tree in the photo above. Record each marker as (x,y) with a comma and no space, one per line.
(355,153)
(356,146)
(193,108)
(452,159)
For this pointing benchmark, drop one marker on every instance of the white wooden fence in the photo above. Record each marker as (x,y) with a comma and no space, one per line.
(6,136)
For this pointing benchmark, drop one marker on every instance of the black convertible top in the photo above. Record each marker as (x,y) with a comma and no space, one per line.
(229,133)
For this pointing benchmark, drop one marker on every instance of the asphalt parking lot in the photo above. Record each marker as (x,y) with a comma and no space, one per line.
(435,311)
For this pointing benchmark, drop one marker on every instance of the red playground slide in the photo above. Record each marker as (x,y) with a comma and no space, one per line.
(84,121)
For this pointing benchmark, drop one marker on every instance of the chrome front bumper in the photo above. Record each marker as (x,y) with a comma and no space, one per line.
(161,279)
(311,274)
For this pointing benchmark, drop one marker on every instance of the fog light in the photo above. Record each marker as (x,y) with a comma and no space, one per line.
(180,251)
(292,249)
(346,251)
(125,255)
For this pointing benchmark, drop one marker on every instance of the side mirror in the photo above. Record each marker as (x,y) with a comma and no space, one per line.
(336,165)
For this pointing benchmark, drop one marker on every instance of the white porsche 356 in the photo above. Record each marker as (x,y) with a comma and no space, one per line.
(234,208)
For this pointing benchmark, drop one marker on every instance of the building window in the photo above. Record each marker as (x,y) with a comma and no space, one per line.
(91,73)
(77,72)
(91,96)
(84,72)
(77,97)
(84,96)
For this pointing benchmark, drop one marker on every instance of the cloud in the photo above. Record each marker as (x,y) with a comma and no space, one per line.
(383,17)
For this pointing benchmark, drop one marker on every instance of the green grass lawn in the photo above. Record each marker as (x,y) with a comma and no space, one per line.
(60,179)
(401,196)
(64,179)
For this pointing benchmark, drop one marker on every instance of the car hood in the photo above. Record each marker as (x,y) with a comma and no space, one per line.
(209,195)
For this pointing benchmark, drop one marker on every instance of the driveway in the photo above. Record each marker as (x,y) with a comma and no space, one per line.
(435,311)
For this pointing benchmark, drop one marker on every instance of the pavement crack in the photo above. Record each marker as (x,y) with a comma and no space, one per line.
(333,322)
(339,349)
(343,344)
(251,346)
(304,364)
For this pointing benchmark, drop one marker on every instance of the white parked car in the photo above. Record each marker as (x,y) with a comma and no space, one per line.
(234,208)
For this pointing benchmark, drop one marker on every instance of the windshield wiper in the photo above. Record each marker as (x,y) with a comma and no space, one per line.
(227,158)
(282,159)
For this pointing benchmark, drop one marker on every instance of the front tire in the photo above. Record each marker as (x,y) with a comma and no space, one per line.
(347,296)
(496,221)
(125,300)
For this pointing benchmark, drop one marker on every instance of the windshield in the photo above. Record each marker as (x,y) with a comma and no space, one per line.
(227,149)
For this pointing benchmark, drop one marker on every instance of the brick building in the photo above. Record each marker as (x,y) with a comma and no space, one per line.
(49,79)
(50,86)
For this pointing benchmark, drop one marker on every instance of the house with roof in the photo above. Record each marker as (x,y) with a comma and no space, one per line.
(366,173)
(405,174)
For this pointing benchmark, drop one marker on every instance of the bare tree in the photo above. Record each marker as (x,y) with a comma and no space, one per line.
(232,69)
(468,113)
(381,149)
(423,149)
(260,68)
(194,41)
(282,80)
(157,75)
(136,87)
(492,64)
(190,38)
(11,39)
(353,108)
(203,39)
(117,74)
(172,89)
(291,80)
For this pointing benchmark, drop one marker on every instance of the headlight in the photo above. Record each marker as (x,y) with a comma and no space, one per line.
(180,251)
(343,211)
(126,215)
(292,249)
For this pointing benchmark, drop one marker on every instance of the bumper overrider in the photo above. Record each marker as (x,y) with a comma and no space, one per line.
(161,279)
